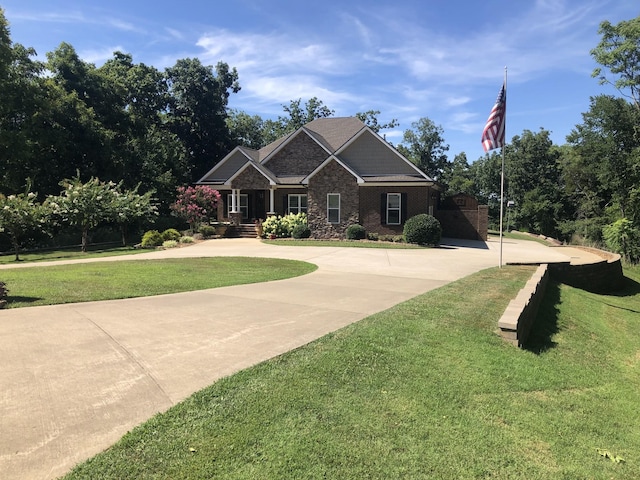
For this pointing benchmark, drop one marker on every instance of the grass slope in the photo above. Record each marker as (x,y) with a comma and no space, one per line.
(83,282)
(423,390)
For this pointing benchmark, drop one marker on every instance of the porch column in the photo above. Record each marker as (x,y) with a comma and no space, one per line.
(234,200)
(271,202)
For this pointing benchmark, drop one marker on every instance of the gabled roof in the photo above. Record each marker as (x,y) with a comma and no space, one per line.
(346,140)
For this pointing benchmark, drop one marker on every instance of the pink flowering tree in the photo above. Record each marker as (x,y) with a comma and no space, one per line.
(196,205)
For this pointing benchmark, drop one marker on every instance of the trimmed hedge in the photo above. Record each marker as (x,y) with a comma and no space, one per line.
(423,229)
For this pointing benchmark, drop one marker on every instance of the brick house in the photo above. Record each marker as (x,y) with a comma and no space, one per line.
(336,170)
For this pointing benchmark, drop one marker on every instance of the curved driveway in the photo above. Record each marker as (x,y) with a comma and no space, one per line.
(76,377)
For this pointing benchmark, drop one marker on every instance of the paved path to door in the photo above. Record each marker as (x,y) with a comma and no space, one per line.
(74,378)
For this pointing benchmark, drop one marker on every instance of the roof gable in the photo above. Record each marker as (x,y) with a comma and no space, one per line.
(370,155)
(299,155)
(229,165)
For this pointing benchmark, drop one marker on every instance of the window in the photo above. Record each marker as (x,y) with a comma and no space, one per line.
(243,207)
(333,207)
(297,204)
(394,204)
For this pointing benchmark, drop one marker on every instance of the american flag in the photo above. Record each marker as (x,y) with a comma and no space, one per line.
(493,133)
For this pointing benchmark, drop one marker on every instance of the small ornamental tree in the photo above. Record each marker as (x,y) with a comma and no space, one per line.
(85,205)
(129,207)
(20,215)
(196,205)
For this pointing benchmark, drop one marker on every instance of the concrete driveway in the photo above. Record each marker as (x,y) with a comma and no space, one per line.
(76,377)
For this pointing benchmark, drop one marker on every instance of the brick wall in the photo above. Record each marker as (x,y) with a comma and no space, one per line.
(299,157)
(250,179)
(371,207)
(333,178)
(469,224)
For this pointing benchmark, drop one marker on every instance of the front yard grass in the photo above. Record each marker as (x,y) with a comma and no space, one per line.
(68,254)
(425,389)
(84,282)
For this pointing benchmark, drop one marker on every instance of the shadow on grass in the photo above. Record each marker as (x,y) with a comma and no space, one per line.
(546,324)
(631,289)
(11,299)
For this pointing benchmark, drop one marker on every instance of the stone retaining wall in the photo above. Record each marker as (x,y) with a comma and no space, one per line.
(599,277)
(516,321)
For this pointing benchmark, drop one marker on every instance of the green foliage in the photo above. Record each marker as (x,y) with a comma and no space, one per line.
(171,234)
(4,293)
(623,237)
(152,239)
(618,50)
(423,229)
(84,205)
(207,231)
(301,230)
(356,232)
(373,236)
(186,239)
(170,244)
(196,204)
(424,145)
(21,215)
(278,226)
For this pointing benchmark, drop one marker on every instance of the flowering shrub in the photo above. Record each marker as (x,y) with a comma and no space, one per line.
(196,204)
(169,244)
(20,215)
(186,239)
(282,227)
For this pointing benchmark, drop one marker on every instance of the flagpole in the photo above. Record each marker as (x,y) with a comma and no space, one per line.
(502,170)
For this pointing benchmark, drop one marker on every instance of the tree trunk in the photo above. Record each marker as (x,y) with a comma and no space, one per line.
(16,249)
(85,239)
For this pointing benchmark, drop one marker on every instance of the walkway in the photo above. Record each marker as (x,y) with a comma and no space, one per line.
(76,377)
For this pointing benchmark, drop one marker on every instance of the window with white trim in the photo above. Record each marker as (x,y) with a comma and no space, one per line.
(297,204)
(394,205)
(243,206)
(333,207)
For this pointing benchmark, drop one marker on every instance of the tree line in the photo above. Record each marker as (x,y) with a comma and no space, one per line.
(152,131)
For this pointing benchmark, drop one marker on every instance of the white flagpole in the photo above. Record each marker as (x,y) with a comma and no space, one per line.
(504,120)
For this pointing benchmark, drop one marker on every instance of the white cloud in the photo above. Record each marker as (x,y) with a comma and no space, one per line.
(100,56)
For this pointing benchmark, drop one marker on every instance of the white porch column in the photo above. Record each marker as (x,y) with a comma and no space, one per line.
(234,200)
(271,202)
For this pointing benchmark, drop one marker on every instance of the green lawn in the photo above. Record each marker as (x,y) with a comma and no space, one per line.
(68,254)
(83,282)
(423,390)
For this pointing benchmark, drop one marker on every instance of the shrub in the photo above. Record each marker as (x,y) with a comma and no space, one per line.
(169,244)
(356,232)
(4,293)
(624,238)
(207,231)
(301,230)
(423,229)
(152,238)
(282,227)
(171,234)
(186,239)
(372,236)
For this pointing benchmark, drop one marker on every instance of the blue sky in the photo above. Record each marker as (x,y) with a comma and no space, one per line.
(441,59)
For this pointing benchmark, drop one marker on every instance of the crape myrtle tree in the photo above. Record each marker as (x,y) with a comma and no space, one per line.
(20,216)
(86,205)
(196,205)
